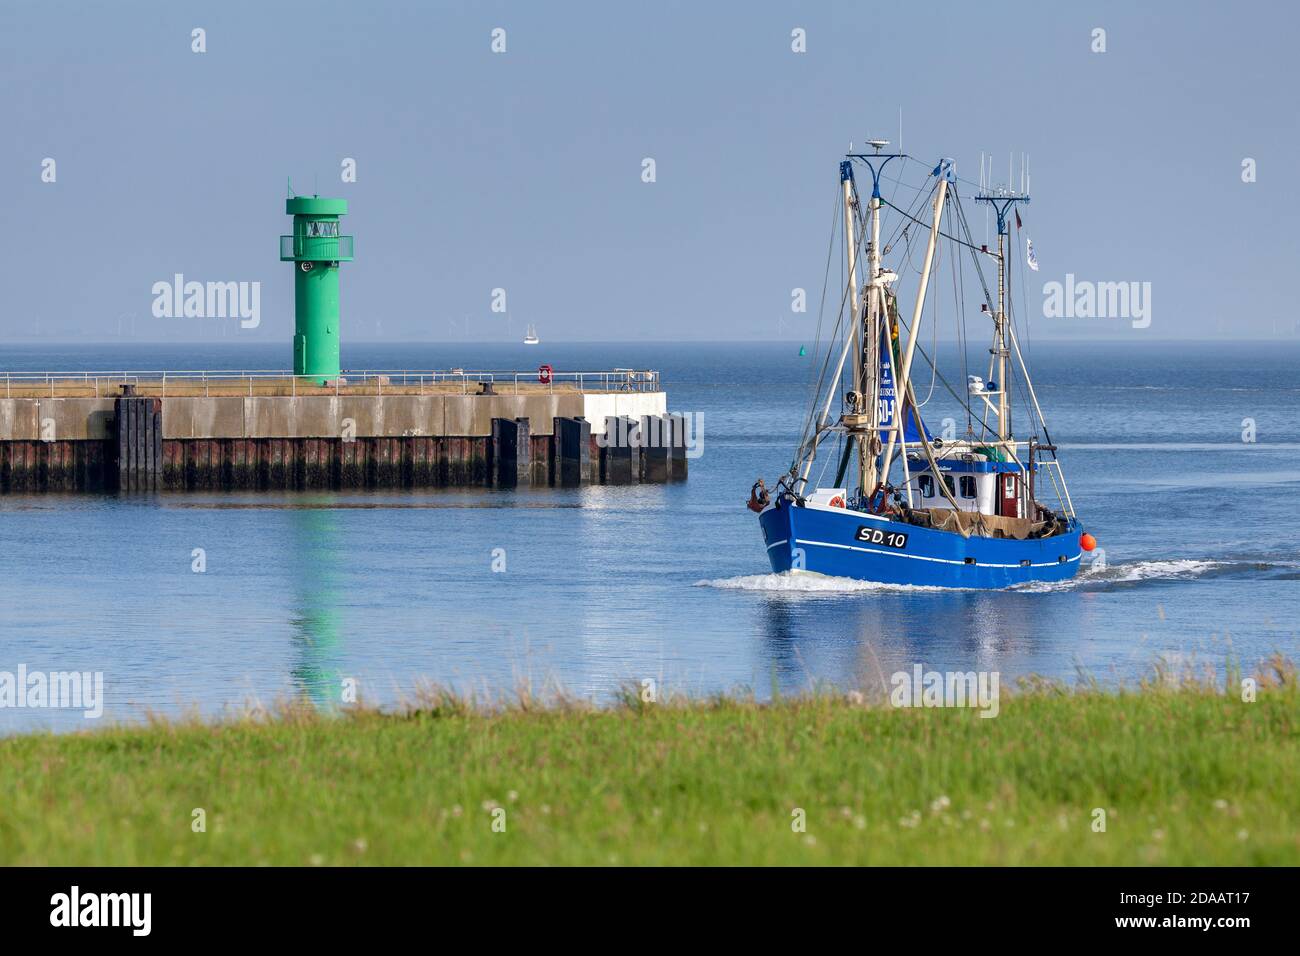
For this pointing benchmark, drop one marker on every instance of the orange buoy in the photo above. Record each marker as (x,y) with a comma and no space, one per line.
(1087,541)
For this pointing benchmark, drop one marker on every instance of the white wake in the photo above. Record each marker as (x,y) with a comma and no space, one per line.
(1129,572)
(804,582)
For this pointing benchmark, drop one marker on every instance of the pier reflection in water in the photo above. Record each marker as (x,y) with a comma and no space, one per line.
(316,615)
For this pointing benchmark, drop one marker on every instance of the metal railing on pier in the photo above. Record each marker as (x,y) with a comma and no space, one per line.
(217,382)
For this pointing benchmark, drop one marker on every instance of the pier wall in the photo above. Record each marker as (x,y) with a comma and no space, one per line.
(138,443)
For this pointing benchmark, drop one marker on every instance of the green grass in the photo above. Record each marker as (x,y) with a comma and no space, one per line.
(1186,776)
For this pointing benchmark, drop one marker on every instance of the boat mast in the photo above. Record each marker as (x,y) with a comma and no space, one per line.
(869,447)
(851,339)
(868,382)
(855,328)
(1000,340)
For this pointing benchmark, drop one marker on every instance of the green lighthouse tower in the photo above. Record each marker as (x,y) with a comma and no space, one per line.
(316,249)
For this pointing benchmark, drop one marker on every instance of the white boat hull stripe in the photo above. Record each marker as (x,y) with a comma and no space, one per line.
(921,557)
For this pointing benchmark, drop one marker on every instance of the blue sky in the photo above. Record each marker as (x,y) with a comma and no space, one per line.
(522,170)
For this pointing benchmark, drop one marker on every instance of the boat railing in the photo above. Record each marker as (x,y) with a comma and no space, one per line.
(1052,468)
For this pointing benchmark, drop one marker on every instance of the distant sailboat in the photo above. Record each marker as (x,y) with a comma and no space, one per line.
(530,337)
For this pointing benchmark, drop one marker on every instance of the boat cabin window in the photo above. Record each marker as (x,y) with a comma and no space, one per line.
(926,484)
(947,480)
(968,486)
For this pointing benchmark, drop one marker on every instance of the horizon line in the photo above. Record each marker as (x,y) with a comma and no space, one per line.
(737,341)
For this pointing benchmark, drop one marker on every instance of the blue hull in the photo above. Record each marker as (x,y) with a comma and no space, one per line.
(851,544)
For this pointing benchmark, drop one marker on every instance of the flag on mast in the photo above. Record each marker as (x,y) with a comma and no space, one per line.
(1029,255)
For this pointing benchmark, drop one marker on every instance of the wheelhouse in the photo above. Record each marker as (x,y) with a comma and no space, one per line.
(973,481)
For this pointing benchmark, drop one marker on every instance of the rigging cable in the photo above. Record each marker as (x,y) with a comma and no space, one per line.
(934,324)
(926,225)
(964,401)
(1012,318)
(812,430)
(811,417)
(984,286)
(1024,298)
(959,295)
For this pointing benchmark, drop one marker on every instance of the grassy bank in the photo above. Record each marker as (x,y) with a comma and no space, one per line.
(1188,776)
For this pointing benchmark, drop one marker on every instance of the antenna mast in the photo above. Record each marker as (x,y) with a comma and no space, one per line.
(1003,199)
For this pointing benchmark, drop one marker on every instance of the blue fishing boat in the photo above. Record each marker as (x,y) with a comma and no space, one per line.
(907,507)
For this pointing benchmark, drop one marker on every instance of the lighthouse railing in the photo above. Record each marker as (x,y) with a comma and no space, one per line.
(316,248)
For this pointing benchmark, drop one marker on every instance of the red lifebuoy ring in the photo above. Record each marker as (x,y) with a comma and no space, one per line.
(836,502)
(544,374)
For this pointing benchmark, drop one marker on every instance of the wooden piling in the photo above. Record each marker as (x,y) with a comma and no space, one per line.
(656,447)
(617,452)
(504,450)
(573,451)
(677,467)
(138,442)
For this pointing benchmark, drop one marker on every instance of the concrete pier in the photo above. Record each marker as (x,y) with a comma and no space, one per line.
(258,431)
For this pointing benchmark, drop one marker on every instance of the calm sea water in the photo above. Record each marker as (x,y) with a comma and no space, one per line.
(609,585)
